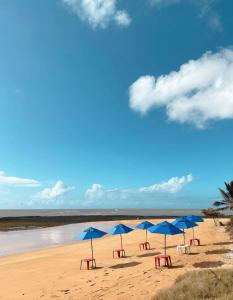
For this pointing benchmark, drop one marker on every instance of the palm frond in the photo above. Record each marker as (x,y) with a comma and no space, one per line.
(219,203)
(229,188)
(225,195)
(222,208)
(227,201)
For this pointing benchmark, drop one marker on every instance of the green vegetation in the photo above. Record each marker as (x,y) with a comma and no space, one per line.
(227,201)
(21,223)
(211,284)
(212,213)
(229,228)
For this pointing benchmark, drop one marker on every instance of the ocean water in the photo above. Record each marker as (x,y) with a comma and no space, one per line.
(14,242)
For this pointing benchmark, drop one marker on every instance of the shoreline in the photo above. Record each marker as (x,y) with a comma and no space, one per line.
(36,222)
(55,272)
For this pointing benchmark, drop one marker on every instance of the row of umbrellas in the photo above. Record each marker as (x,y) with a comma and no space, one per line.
(165,228)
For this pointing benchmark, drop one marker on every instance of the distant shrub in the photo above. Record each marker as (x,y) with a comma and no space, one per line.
(212,213)
(211,284)
(229,228)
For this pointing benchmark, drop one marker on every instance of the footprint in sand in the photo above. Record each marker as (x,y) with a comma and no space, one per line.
(65,291)
(120,293)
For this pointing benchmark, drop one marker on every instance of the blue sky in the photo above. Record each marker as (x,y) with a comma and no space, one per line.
(114,103)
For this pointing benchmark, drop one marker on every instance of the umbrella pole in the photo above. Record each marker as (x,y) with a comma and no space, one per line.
(165,242)
(92,252)
(146,235)
(184,236)
(193,232)
(121,242)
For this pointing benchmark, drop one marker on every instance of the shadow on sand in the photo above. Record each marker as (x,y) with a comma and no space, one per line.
(126,256)
(208,264)
(223,243)
(93,269)
(126,265)
(177,266)
(169,247)
(148,254)
(217,251)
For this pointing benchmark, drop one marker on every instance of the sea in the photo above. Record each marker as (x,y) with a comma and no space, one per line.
(22,241)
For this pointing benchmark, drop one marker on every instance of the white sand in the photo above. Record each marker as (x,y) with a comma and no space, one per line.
(55,274)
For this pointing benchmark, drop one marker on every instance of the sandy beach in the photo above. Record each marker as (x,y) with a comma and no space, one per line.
(54,273)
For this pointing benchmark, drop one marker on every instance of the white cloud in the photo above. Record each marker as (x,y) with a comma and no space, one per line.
(95,191)
(122,18)
(173,185)
(57,191)
(200,91)
(99,13)
(17,181)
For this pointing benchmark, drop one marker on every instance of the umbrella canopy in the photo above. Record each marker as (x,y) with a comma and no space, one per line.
(184,223)
(120,229)
(194,219)
(144,226)
(165,228)
(90,234)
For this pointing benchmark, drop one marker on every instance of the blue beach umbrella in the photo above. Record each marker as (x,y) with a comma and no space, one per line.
(184,223)
(144,226)
(90,234)
(194,219)
(120,229)
(165,228)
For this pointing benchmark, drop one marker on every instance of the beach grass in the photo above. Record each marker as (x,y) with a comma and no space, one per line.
(211,284)
(229,227)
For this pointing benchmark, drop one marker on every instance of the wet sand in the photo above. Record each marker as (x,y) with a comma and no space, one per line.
(54,273)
